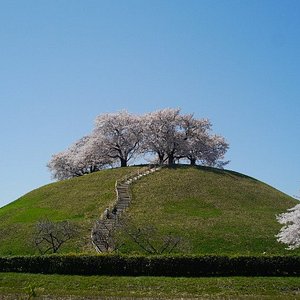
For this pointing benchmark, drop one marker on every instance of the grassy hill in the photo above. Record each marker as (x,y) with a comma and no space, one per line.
(80,200)
(213,211)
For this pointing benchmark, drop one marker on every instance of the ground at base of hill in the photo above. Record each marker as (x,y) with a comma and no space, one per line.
(20,286)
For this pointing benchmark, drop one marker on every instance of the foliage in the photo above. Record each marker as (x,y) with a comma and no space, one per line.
(49,236)
(290,232)
(120,137)
(173,136)
(83,157)
(179,266)
(31,292)
(120,134)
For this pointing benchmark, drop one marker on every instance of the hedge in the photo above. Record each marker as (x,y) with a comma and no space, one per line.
(185,266)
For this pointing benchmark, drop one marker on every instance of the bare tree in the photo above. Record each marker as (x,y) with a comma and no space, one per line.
(50,236)
(150,240)
(104,236)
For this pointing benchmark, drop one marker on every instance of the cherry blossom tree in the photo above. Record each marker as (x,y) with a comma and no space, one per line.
(290,232)
(164,134)
(208,150)
(121,134)
(83,157)
(171,135)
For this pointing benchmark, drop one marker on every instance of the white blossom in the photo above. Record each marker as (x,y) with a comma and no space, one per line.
(85,156)
(121,134)
(290,232)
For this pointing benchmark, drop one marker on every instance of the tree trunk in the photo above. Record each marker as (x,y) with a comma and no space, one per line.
(123,162)
(193,161)
(161,159)
(170,160)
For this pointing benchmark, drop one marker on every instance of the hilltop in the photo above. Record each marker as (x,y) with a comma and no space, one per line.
(213,211)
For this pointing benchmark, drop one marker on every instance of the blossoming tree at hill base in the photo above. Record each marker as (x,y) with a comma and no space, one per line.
(119,137)
(290,232)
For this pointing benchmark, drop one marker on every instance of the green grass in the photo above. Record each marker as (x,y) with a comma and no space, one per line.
(80,200)
(15,284)
(214,211)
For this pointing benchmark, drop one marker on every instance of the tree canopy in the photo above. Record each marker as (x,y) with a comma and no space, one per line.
(117,138)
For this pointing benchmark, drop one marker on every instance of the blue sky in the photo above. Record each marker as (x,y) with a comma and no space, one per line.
(65,62)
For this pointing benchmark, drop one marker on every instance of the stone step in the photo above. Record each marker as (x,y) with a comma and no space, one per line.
(109,221)
(122,206)
(123,185)
(107,225)
(123,202)
(126,195)
(127,200)
(124,198)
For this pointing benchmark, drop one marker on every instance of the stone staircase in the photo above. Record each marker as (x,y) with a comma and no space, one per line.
(102,234)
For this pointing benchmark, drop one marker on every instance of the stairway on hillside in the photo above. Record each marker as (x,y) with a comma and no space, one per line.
(102,234)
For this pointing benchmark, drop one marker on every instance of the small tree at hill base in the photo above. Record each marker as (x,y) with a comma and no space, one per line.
(50,236)
(290,232)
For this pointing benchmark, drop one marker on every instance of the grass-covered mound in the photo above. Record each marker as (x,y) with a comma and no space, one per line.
(80,200)
(213,211)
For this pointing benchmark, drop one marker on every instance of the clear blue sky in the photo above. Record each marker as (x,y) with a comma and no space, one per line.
(64,62)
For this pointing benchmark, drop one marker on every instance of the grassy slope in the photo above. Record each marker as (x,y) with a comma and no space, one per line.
(79,199)
(214,211)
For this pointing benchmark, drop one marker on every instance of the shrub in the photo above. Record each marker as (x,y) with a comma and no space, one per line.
(187,266)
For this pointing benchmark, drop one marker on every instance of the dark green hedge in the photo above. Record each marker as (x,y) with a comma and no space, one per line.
(188,266)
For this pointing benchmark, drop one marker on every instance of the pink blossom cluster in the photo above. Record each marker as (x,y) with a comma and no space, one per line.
(167,135)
